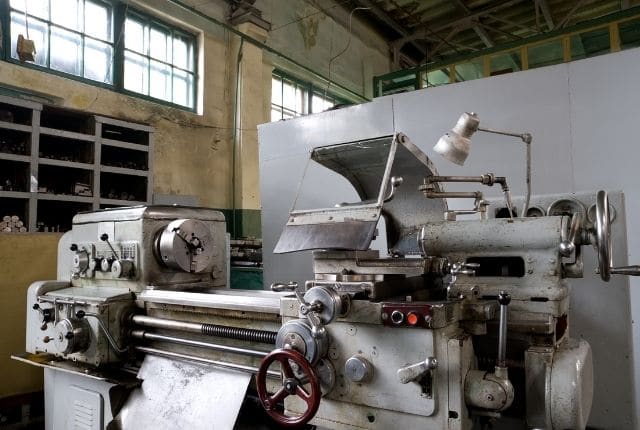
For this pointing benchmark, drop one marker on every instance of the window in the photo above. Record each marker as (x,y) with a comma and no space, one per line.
(291,97)
(108,43)
(159,60)
(71,36)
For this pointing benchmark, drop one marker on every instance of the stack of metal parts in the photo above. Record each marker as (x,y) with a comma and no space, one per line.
(463,323)
(12,224)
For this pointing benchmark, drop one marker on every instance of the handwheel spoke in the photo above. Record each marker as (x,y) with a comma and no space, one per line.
(278,397)
(286,368)
(302,393)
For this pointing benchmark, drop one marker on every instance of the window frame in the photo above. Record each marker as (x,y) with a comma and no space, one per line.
(309,88)
(120,11)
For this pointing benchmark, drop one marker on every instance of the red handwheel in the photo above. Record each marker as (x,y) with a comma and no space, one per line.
(292,385)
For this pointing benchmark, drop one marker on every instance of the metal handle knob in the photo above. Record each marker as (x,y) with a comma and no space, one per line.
(416,371)
(284,286)
(503,299)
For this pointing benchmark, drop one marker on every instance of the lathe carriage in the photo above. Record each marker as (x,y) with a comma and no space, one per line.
(456,324)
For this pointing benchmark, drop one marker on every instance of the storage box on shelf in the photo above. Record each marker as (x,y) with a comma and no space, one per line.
(55,162)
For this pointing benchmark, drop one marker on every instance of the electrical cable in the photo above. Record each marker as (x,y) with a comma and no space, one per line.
(344,49)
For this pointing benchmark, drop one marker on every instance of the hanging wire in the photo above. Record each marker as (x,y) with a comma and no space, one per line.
(310,15)
(332,59)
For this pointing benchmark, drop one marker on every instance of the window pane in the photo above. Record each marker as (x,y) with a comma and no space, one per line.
(276,114)
(98,61)
(589,44)
(629,33)
(469,70)
(546,54)
(67,13)
(38,32)
(160,81)
(158,46)
(276,91)
(301,100)
(182,88)
(39,8)
(97,21)
(136,73)
(437,77)
(66,51)
(320,104)
(182,53)
(288,95)
(134,36)
(505,63)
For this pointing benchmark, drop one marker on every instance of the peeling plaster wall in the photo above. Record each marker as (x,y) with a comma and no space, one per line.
(192,152)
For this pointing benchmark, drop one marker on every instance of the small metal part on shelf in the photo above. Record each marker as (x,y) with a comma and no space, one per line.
(12,224)
(12,145)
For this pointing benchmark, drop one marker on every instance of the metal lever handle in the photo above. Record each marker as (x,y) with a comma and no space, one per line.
(626,270)
(464,268)
(503,299)
(568,245)
(282,286)
(395,182)
(105,238)
(416,371)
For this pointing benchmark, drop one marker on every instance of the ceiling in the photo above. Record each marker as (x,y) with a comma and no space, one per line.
(432,30)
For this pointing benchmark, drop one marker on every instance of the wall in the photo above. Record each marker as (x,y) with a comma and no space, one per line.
(20,267)
(581,115)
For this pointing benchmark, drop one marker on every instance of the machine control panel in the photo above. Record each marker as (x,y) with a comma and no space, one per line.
(101,260)
(407,315)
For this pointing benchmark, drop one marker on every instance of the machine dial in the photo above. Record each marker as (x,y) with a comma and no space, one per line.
(80,261)
(186,244)
(71,335)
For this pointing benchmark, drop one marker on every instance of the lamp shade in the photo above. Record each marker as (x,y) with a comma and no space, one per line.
(456,144)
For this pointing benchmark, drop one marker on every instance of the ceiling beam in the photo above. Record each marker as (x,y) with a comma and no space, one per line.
(482,34)
(546,12)
(465,21)
(569,15)
(379,13)
(513,23)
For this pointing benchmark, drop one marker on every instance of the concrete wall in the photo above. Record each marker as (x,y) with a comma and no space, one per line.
(582,117)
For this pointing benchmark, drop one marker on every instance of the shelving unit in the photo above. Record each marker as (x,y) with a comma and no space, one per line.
(56,162)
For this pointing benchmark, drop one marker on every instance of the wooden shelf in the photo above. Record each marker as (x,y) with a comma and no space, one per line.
(121,202)
(17,127)
(126,145)
(15,157)
(67,134)
(64,163)
(124,171)
(65,198)
(41,131)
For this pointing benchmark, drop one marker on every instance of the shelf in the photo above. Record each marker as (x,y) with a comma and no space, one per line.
(123,133)
(52,157)
(64,198)
(14,175)
(56,216)
(65,149)
(14,157)
(15,142)
(124,171)
(63,163)
(118,202)
(14,207)
(67,134)
(17,127)
(126,145)
(15,194)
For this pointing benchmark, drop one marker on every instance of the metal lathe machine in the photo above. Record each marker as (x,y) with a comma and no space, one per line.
(462,324)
